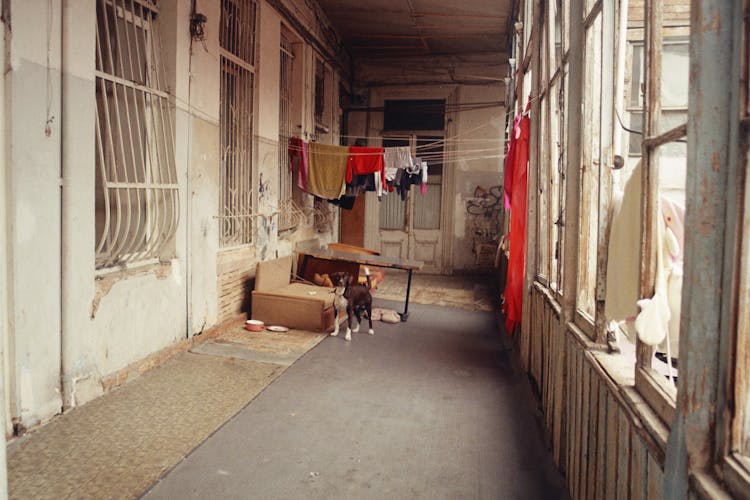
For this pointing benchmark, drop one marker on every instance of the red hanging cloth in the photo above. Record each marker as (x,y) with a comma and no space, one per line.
(515,187)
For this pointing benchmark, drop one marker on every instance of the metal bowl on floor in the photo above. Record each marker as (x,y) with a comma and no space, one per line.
(254,325)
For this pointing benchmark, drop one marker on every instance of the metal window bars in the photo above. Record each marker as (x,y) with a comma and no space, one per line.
(137,195)
(237,40)
(287,221)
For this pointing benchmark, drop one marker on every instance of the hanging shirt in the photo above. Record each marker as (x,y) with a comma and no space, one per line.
(299,159)
(395,158)
(364,161)
(327,173)
(516,165)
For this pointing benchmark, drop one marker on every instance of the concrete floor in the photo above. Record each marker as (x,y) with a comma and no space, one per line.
(432,408)
(429,408)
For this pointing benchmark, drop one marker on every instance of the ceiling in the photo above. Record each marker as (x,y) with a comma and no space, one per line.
(389,28)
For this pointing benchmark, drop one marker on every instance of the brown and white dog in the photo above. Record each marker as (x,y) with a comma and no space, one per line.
(352,299)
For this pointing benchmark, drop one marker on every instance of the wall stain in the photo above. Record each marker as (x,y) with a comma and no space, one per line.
(105,283)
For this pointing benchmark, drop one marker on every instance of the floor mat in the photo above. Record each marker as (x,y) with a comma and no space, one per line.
(117,445)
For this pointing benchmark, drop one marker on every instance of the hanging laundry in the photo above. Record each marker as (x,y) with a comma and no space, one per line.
(516,168)
(423,188)
(379,181)
(395,158)
(364,160)
(299,159)
(508,178)
(327,172)
(345,202)
(624,250)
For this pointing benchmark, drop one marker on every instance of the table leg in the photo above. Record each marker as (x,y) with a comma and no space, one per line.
(303,266)
(405,315)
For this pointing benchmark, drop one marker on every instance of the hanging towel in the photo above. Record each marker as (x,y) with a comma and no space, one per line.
(624,250)
(674,241)
(364,161)
(299,159)
(517,164)
(327,174)
(423,189)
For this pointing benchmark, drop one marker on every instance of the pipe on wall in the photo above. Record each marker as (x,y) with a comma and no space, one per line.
(66,199)
(4,281)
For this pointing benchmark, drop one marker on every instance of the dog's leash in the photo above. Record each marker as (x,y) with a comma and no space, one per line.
(300,278)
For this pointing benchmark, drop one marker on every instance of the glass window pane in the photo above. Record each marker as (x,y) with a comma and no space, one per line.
(636,82)
(554,184)
(427,208)
(591,144)
(674,75)
(542,264)
(392,212)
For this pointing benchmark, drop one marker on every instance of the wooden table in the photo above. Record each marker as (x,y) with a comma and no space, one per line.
(367,260)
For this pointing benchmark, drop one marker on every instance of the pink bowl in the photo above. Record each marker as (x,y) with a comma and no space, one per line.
(254,325)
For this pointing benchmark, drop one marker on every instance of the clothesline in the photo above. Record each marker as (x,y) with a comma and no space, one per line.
(434,154)
(454,138)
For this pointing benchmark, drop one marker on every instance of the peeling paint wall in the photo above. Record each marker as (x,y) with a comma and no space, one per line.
(34,212)
(68,325)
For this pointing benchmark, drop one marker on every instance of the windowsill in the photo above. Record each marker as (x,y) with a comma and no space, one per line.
(132,269)
(737,474)
(621,379)
(287,231)
(585,323)
(618,372)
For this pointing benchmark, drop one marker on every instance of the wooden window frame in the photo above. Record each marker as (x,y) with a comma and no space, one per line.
(735,454)
(658,392)
(586,320)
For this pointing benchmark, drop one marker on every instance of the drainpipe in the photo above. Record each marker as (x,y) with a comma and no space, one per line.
(65,212)
(77,43)
(188,192)
(622,34)
(5,289)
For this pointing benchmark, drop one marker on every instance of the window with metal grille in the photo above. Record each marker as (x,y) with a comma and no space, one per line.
(320,95)
(237,51)
(286,130)
(137,197)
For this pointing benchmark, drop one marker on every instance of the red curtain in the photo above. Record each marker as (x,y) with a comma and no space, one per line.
(514,185)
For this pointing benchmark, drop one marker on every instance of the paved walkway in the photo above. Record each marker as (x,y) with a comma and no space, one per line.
(431,408)
(428,408)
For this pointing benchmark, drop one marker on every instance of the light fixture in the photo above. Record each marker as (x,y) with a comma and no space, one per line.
(198,26)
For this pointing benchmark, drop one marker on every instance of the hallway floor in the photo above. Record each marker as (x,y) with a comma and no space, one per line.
(430,408)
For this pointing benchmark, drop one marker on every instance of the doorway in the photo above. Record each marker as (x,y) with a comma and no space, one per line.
(410,224)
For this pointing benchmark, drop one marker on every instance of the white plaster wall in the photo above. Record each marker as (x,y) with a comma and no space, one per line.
(5,424)
(267,130)
(479,162)
(34,188)
(113,319)
(78,163)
